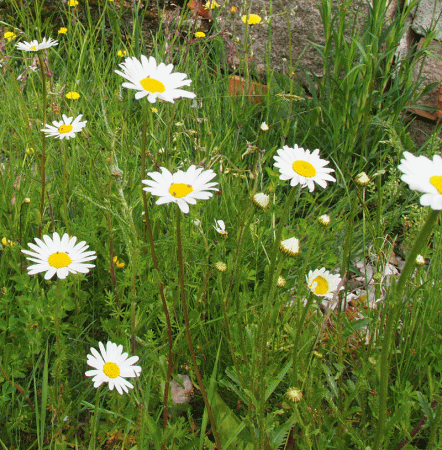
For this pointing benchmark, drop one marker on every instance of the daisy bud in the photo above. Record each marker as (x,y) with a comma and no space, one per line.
(362,179)
(281,282)
(420,260)
(294,395)
(264,127)
(221,266)
(290,246)
(261,200)
(324,220)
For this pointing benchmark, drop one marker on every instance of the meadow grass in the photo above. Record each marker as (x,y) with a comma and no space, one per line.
(272,364)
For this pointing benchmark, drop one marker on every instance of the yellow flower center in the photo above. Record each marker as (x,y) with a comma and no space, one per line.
(33,47)
(436,181)
(59,260)
(64,129)
(180,190)
(321,286)
(152,85)
(304,168)
(111,370)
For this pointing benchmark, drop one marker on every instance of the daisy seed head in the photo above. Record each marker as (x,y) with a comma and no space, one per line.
(302,167)
(112,366)
(290,246)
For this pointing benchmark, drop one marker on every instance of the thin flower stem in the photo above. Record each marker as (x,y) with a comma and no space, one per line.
(263,332)
(43,147)
(93,439)
(188,333)
(396,303)
(148,113)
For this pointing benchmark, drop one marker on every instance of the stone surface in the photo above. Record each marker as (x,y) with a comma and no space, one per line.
(428,16)
(304,27)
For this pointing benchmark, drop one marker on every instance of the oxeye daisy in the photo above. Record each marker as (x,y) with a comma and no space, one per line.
(156,81)
(112,366)
(59,256)
(35,46)
(182,188)
(302,167)
(66,128)
(423,175)
(322,283)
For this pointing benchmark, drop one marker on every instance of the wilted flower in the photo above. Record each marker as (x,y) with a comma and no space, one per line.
(362,179)
(290,246)
(262,200)
(294,395)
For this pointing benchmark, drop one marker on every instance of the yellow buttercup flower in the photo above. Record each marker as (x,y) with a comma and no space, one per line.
(118,264)
(62,30)
(211,4)
(73,95)
(251,19)
(9,35)
(122,53)
(200,34)
(30,151)
(73,2)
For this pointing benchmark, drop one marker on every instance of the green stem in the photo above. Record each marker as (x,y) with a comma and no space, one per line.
(188,333)
(264,327)
(43,147)
(396,303)
(148,113)
(93,439)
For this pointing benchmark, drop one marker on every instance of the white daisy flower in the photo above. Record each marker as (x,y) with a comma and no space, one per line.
(66,128)
(35,46)
(302,167)
(290,246)
(262,200)
(182,188)
(112,366)
(155,81)
(220,227)
(423,175)
(59,256)
(322,283)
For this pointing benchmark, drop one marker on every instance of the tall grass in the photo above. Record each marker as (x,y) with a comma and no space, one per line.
(279,368)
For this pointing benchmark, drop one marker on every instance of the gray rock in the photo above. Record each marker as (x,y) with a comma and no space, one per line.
(428,16)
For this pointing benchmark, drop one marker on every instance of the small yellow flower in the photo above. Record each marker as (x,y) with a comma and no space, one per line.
(362,179)
(324,220)
(420,260)
(211,4)
(118,264)
(154,110)
(221,266)
(290,246)
(9,35)
(30,151)
(281,282)
(73,2)
(294,395)
(251,19)
(73,95)
(200,34)
(122,53)
(7,242)
(233,10)
(62,30)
